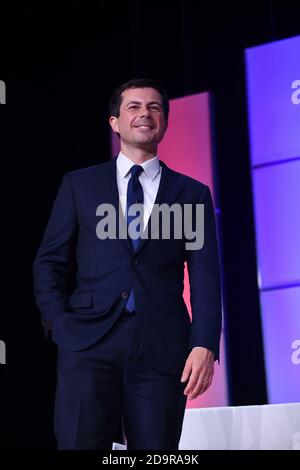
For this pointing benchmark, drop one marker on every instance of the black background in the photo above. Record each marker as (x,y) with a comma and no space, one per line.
(61,63)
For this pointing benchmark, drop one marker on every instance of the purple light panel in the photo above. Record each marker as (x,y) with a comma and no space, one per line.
(274,115)
(281,325)
(276,192)
(273,75)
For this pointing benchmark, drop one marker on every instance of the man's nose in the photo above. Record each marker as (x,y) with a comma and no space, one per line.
(145,112)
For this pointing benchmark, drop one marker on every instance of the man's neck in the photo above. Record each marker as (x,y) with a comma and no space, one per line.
(138,156)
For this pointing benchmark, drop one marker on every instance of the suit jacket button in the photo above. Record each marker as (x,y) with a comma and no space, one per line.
(124,295)
(135,262)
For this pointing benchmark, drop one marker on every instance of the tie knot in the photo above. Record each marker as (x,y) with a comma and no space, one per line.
(136,170)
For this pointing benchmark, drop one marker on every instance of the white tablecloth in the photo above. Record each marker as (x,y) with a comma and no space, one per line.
(242,427)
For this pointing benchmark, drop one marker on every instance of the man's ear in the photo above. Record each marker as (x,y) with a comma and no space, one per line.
(114,124)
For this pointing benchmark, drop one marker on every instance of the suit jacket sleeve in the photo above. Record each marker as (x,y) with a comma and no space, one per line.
(205,291)
(52,261)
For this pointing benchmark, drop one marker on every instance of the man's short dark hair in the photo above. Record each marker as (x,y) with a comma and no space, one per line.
(116,99)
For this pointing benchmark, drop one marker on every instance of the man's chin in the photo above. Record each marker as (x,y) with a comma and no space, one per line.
(146,141)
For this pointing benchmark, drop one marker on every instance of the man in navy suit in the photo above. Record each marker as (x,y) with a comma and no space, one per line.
(126,345)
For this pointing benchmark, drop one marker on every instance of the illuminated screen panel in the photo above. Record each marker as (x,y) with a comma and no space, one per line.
(186,148)
(281,327)
(273,75)
(187,144)
(277,210)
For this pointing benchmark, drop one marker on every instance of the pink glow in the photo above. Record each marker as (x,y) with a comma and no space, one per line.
(186,147)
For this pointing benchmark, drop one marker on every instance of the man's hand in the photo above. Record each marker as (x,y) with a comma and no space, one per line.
(199,371)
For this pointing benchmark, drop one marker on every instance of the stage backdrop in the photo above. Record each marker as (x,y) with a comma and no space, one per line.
(187,148)
(273,82)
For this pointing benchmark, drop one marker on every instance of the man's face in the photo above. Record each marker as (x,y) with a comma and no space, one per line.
(141,123)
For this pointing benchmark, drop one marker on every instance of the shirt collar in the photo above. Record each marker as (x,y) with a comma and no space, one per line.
(150,167)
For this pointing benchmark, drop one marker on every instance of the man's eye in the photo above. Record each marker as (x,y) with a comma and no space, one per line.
(132,107)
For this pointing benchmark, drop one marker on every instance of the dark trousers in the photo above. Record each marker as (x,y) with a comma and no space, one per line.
(112,379)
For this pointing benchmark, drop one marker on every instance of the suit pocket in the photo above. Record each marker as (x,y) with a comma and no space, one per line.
(82,299)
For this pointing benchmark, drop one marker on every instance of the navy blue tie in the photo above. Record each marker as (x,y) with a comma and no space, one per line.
(135,195)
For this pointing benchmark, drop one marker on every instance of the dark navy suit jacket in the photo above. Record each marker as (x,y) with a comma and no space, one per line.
(108,269)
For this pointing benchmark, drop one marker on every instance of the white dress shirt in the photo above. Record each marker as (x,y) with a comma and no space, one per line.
(149,179)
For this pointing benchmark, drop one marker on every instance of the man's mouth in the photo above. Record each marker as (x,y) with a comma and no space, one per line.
(144,126)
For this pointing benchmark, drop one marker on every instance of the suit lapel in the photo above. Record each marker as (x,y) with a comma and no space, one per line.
(110,193)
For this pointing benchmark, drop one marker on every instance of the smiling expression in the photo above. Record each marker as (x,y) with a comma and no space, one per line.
(141,123)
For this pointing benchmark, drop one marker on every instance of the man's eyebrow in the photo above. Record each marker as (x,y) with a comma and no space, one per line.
(139,102)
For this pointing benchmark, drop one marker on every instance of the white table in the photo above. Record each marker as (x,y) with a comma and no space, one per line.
(243,427)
